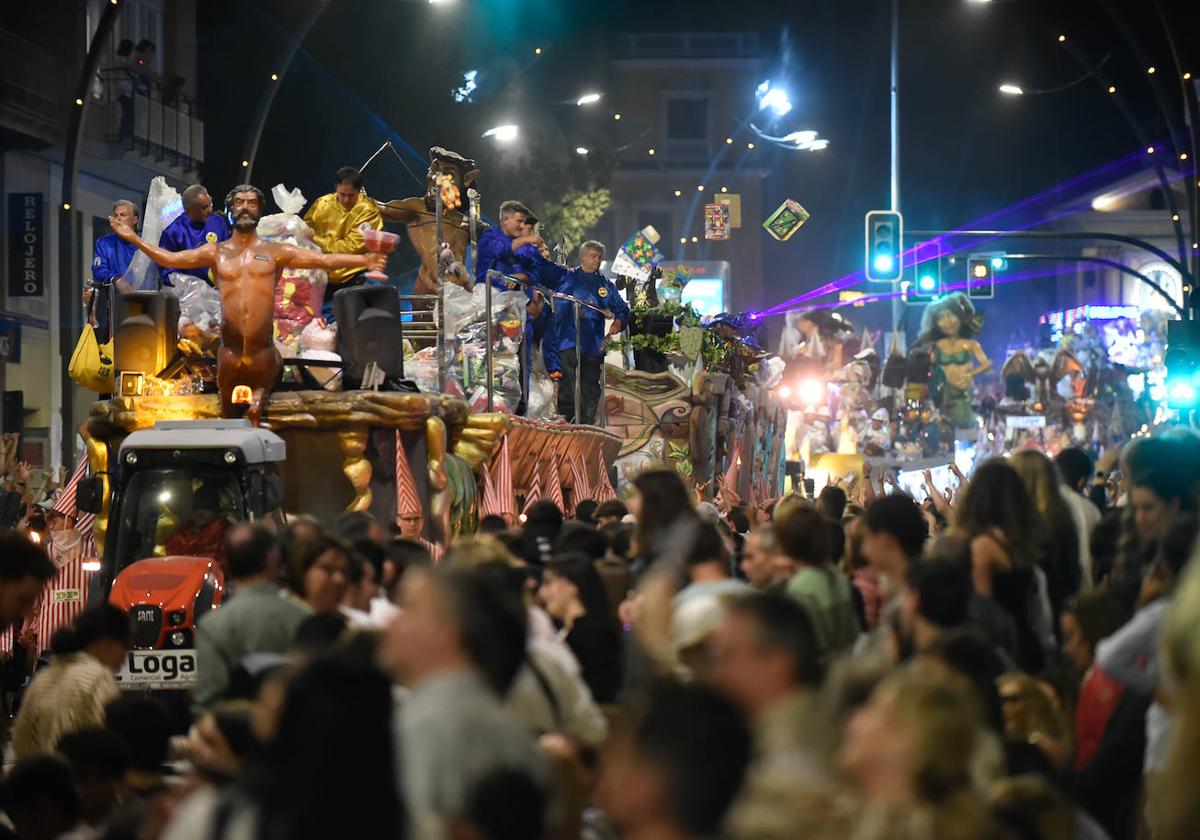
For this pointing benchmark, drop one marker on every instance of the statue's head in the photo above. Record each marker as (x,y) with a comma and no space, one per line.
(461,171)
(245,204)
(953,316)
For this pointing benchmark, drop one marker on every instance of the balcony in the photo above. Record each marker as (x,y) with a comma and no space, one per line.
(28,84)
(149,119)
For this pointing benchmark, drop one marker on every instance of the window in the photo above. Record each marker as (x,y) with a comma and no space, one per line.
(687,119)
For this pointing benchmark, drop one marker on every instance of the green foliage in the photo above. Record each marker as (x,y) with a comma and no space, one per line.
(681,455)
(574,215)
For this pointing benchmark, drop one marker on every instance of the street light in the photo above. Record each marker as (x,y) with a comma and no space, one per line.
(773,99)
(588,99)
(503,133)
(581,150)
(1011,89)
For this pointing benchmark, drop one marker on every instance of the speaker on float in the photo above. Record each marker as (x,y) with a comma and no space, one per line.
(919,367)
(146,331)
(894,371)
(369,329)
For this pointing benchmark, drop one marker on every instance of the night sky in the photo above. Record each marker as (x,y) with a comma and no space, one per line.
(377,68)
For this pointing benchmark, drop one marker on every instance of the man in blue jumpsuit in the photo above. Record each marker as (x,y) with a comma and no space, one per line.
(110,261)
(198,225)
(513,248)
(589,285)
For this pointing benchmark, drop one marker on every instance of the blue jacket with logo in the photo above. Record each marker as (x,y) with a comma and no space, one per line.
(111,259)
(183,235)
(597,290)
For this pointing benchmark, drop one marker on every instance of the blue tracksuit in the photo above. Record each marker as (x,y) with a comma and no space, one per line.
(597,290)
(111,259)
(494,252)
(183,235)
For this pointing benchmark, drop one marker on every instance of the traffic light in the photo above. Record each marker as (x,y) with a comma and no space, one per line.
(926,283)
(1183,364)
(981,276)
(885,240)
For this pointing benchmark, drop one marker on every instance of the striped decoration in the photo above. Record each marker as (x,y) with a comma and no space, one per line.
(410,515)
(436,552)
(554,482)
(534,493)
(603,492)
(581,488)
(64,597)
(504,483)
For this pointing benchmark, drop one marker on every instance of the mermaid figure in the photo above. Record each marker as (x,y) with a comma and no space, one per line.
(949,327)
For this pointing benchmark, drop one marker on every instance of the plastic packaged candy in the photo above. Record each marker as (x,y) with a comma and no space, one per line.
(299,292)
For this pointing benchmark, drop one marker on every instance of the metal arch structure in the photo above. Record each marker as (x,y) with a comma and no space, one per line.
(264,106)
(70,318)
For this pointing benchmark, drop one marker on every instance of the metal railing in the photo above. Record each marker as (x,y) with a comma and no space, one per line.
(151,116)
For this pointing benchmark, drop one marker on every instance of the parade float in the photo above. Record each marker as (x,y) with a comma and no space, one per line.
(405,408)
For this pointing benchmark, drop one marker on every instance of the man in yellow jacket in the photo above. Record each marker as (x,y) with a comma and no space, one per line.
(335,219)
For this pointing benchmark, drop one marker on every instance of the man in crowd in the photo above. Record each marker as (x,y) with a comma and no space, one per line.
(763,564)
(895,536)
(457,645)
(336,220)
(110,261)
(198,225)
(674,768)
(589,285)
(256,619)
(768,663)
(707,567)
(1077,470)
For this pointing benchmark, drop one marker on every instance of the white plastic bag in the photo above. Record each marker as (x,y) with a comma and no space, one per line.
(163,206)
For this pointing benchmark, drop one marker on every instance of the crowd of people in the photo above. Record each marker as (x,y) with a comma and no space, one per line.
(1015,661)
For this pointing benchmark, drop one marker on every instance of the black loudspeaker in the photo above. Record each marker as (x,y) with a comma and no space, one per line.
(918,367)
(369,330)
(146,331)
(894,371)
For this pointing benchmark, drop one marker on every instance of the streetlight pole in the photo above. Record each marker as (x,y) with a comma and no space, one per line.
(894,97)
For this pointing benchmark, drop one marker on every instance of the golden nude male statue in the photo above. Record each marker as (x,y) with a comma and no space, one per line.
(247,270)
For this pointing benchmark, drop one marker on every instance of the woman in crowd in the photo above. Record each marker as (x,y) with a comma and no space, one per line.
(996,513)
(317,572)
(660,500)
(1060,550)
(574,596)
(917,753)
(71,692)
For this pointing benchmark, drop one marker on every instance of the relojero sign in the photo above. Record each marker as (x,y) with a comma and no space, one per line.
(26,245)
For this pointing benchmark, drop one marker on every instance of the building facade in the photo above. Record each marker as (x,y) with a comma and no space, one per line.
(140,121)
(683,98)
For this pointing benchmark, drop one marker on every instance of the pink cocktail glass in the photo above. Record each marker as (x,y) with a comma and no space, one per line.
(379,242)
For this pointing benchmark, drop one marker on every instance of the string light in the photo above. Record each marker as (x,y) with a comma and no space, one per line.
(683,240)
(699,188)
(616,116)
(678,193)
(1112,88)
(537,50)
(650,152)
(79,102)
(749,145)
(1174,217)
(66,205)
(1150,150)
(1062,38)
(1187,76)
(274,77)
(245,164)
(1151,70)
(728,141)
(1183,156)
(725,189)
(695,239)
